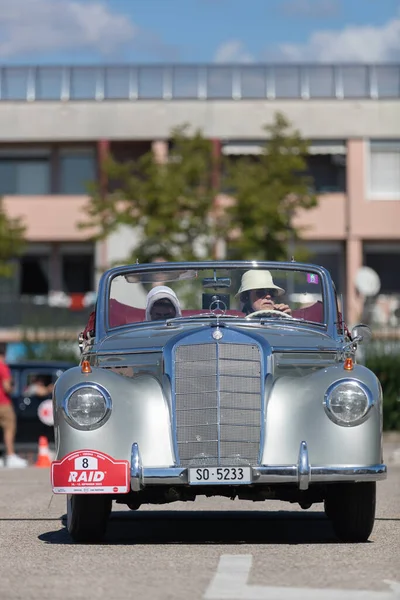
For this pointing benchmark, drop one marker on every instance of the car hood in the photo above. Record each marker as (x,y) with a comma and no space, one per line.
(144,338)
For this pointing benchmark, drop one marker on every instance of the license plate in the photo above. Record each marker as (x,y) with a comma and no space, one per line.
(224,475)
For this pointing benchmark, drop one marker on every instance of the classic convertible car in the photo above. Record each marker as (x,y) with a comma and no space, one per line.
(236,379)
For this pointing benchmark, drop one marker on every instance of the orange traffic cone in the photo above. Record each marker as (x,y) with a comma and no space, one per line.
(43,459)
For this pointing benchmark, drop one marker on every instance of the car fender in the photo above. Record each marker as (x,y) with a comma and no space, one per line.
(294,412)
(140,413)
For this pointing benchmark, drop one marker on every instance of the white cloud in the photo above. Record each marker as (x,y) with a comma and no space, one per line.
(233,51)
(351,44)
(42,26)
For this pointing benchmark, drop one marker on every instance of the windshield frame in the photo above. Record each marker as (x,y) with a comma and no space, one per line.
(102,314)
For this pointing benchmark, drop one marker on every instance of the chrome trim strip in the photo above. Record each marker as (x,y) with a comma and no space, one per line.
(300,349)
(357,473)
(274,349)
(152,350)
(217,349)
(136,469)
(303,467)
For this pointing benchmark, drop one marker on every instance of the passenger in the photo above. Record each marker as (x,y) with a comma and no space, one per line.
(257,292)
(38,387)
(162,303)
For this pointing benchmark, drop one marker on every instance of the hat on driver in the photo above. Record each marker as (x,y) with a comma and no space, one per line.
(254,280)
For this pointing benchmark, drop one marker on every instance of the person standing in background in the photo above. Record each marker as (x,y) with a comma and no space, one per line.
(8,419)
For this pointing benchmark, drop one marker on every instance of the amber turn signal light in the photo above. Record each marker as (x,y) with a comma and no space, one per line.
(348,364)
(85,367)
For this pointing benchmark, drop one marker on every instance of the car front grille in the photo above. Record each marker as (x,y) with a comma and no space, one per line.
(218,404)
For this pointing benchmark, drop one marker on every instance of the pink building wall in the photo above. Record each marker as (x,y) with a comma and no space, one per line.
(50,218)
(327,221)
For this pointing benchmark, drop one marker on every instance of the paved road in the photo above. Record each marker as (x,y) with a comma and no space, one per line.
(175,553)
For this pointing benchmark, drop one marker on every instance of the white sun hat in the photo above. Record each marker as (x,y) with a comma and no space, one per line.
(255,280)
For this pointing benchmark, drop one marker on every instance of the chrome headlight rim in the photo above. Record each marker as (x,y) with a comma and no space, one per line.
(95,386)
(357,384)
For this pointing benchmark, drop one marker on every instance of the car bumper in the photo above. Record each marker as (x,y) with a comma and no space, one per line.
(302,474)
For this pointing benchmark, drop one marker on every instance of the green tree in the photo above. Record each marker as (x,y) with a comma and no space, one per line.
(268,190)
(12,241)
(172,205)
(168,204)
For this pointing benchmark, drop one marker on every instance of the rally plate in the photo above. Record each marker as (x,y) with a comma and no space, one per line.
(89,471)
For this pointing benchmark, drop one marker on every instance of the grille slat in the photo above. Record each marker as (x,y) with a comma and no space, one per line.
(218,403)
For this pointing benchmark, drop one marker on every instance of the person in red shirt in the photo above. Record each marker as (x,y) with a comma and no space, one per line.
(8,420)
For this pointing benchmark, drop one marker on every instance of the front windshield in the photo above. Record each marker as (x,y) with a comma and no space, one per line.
(256,293)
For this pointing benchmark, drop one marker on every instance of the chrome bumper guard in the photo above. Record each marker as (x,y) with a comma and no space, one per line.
(301,474)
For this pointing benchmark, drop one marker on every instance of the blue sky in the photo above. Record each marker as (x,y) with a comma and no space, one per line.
(192,31)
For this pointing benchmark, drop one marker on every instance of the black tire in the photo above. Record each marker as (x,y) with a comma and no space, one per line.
(351,509)
(87,517)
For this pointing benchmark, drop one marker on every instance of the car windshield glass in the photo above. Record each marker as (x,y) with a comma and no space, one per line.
(257,293)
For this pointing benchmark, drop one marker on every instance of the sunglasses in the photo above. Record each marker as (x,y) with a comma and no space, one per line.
(262,292)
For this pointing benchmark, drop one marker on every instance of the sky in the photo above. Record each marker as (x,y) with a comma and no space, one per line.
(198,31)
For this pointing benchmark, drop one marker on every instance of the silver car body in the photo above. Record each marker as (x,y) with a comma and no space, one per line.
(279,424)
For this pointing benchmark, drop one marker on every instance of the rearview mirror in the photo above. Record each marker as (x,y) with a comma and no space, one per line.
(361,334)
(216,282)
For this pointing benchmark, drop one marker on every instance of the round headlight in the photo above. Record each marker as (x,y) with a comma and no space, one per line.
(87,406)
(348,402)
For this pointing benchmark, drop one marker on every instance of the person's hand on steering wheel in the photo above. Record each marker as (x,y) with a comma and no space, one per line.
(283,308)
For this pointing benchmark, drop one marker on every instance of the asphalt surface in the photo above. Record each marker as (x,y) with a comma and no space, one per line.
(174,551)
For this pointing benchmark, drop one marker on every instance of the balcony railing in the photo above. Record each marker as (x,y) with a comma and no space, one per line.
(199,82)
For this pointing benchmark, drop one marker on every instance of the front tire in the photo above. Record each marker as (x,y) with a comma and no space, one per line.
(87,517)
(351,509)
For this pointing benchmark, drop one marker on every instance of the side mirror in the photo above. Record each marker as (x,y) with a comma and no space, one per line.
(361,334)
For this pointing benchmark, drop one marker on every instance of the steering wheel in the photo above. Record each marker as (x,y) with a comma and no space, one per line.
(269,312)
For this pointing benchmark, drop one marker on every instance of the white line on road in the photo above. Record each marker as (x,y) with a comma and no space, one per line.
(230,583)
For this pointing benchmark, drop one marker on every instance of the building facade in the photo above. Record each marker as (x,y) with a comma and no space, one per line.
(58,124)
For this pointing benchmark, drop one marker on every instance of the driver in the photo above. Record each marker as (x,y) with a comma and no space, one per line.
(162,303)
(257,292)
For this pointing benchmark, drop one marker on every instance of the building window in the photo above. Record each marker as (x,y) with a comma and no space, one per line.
(25,172)
(77,170)
(77,274)
(326,162)
(76,263)
(34,275)
(328,172)
(384,169)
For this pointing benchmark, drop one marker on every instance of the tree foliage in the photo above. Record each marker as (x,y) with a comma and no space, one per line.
(387,368)
(168,203)
(172,208)
(12,241)
(269,190)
